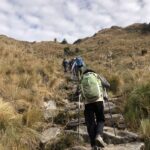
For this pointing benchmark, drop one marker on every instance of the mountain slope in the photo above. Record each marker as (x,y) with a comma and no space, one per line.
(31,73)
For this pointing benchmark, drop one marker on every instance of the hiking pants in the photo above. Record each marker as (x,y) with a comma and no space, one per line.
(79,72)
(94,118)
(65,67)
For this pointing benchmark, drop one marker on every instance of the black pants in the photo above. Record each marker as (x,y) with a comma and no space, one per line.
(79,72)
(94,118)
(65,68)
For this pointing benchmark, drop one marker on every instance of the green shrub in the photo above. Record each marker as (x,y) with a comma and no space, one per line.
(138,105)
(137,111)
(64,41)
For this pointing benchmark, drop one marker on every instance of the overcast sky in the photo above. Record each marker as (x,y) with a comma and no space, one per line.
(37,20)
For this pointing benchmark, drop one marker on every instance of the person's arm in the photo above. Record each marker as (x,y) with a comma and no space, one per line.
(104,82)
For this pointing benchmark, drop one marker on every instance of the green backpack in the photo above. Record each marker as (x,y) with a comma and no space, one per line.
(91,87)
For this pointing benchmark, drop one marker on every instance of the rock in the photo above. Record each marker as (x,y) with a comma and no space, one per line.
(50,110)
(121,136)
(117,120)
(82,134)
(75,106)
(74,123)
(71,106)
(49,134)
(113,107)
(128,146)
(82,129)
(79,148)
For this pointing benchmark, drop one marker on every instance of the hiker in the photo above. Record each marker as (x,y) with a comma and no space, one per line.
(80,64)
(77,66)
(65,64)
(91,90)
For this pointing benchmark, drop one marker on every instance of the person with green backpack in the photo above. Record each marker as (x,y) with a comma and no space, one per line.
(91,89)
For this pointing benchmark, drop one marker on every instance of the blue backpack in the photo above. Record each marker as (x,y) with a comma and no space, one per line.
(79,61)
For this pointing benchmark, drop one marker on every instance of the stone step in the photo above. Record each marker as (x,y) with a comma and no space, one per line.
(122,136)
(75,106)
(128,146)
(117,120)
(110,107)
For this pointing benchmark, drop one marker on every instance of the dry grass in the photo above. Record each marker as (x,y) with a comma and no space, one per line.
(13,135)
(28,73)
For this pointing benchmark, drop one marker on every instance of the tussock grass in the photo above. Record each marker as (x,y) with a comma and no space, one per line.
(138,105)
(7,113)
(145,128)
(137,110)
(32,116)
(12,134)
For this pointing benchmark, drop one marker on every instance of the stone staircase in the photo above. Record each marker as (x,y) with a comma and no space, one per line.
(123,140)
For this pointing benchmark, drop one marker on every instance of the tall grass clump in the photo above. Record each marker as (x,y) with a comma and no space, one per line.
(13,135)
(145,131)
(114,84)
(137,110)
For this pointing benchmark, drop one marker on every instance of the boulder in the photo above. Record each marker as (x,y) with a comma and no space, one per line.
(117,120)
(50,110)
(49,134)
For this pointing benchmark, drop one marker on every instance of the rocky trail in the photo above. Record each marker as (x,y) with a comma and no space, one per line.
(123,140)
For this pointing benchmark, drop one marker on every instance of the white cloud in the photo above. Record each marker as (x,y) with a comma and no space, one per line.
(72,19)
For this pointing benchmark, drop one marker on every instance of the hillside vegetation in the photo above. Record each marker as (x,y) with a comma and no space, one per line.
(31,73)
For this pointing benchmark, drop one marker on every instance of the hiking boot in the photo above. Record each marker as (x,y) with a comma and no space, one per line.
(99,141)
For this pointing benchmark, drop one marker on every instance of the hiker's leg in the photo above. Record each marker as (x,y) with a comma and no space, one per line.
(90,122)
(65,69)
(78,73)
(100,118)
(99,111)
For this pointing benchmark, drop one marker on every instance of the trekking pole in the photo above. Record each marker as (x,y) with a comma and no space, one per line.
(79,118)
(110,114)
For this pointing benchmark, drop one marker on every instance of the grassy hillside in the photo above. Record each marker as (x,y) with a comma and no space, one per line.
(123,56)
(29,74)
